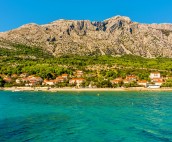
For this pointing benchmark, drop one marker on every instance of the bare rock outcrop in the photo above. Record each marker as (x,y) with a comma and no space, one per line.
(115,36)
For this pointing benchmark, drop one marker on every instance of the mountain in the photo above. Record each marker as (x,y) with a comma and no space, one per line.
(114,36)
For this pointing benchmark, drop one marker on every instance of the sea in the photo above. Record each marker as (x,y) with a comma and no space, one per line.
(85,116)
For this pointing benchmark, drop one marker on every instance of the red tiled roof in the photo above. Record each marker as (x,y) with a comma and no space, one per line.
(14,75)
(119,78)
(115,81)
(155,72)
(7,79)
(159,82)
(157,79)
(60,77)
(143,81)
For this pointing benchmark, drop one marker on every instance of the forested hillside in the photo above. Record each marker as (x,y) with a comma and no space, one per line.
(36,61)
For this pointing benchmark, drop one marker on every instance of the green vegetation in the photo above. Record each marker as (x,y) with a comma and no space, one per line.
(168,83)
(22,54)
(116,66)
(24,51)
(1,82)
(97,69)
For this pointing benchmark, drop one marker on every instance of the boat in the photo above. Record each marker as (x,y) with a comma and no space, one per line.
(153,86)
(16,90)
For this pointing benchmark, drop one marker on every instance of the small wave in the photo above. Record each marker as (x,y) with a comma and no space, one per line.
(154,135)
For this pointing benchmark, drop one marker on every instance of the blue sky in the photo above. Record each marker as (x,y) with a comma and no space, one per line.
(15,13)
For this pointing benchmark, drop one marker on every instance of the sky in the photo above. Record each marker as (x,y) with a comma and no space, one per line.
(14,13)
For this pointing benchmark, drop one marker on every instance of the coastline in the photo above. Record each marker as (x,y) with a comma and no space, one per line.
(48,89)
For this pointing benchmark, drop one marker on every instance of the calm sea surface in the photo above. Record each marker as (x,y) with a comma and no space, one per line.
(86,117)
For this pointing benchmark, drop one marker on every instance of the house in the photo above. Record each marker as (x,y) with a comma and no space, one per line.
(155,75)
(24,79)
(34,80)
(65,76)
(156,79)
(79,73)
(72,81)
(116,81)
(24,75)
(7,79)
(60,79)
(32,83)
(14,76)
(80,80)
(49,82)
(131,78)
(77,81)
(126,81)
(143,83)
(18,81)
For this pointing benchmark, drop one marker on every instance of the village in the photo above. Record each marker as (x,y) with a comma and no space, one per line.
(78,80)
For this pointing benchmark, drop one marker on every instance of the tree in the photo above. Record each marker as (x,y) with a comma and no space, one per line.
(2,82)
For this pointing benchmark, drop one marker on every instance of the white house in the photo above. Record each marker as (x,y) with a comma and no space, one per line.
(116,81)
(18,81)
(76,81)
(79,73)
(155,75)
(49,82)
(126,81)
(60,79)
(65,76)
(143,83)
(34,80)
(24,75)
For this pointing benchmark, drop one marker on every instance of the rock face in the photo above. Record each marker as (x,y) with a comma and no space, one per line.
(115,36)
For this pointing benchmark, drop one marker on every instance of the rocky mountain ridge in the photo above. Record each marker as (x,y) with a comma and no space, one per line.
(114,36)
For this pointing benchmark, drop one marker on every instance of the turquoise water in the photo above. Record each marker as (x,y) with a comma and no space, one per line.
(85,117)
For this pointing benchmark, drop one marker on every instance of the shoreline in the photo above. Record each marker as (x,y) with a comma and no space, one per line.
(47,89)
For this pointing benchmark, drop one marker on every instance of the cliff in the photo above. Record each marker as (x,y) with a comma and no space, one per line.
(115,36)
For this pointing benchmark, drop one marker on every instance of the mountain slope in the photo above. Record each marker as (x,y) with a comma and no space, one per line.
(115,36)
